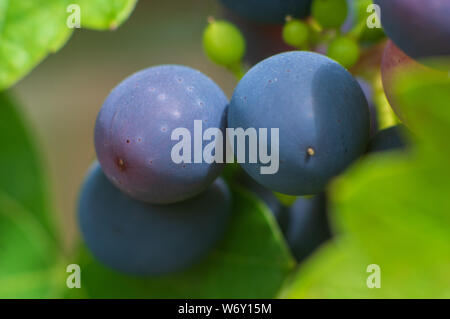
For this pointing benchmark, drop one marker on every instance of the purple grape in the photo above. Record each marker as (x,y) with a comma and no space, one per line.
(138,238)
(134,126)
(420,28)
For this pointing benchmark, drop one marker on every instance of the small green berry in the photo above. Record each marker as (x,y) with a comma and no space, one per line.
(224,43)
(345,51)
(330,14)
(296,33)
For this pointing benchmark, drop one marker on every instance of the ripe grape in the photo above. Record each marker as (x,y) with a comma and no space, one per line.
(262,40)
(268,11)
(144,239)
(368,92)
(419,28)
(392,138)
(305,225)
(320,111)
(134,126)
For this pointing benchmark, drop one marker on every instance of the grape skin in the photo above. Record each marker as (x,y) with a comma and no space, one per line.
(316,104)
(137,238)
(419,28)
(133,132)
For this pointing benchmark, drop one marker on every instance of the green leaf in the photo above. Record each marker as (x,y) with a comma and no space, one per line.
(337,271)
(393,210)
(31,29)
(251,262)
(104,14)
(28,246)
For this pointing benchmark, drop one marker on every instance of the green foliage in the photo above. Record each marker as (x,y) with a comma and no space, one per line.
(251,262)
(28,246)
(104,14)
(392,210)
(31,29)
(330,14)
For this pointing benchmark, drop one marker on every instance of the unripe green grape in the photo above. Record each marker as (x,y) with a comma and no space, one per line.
(330,14)
(345,51)
(224,43)
(296,33)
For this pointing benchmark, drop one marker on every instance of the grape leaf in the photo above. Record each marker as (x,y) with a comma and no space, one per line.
(393,210)
(104,14)
(251,262)
(31,29)
(28,240)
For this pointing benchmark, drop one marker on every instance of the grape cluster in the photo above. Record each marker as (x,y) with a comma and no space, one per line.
(143,213)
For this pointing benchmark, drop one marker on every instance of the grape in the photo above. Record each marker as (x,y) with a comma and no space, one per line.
(392,138)
(144,239)
(330,13)
(133,132)
(320,111)
(305,225)
(345,51)
(262,40)
(368,92)
(419,28)
(268,11)
(266,195)
(224,43)
(296,33)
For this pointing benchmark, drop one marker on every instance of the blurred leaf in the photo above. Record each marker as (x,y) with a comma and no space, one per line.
(393,210)
(251,262)
(338,270)
(104,14)
(27,235)
(31,29)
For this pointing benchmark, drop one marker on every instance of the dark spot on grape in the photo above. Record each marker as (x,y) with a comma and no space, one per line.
(128,141)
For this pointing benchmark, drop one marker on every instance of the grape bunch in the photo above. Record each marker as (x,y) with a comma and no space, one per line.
(322,102)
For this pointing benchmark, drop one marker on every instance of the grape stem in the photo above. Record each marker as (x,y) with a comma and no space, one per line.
(238,70)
